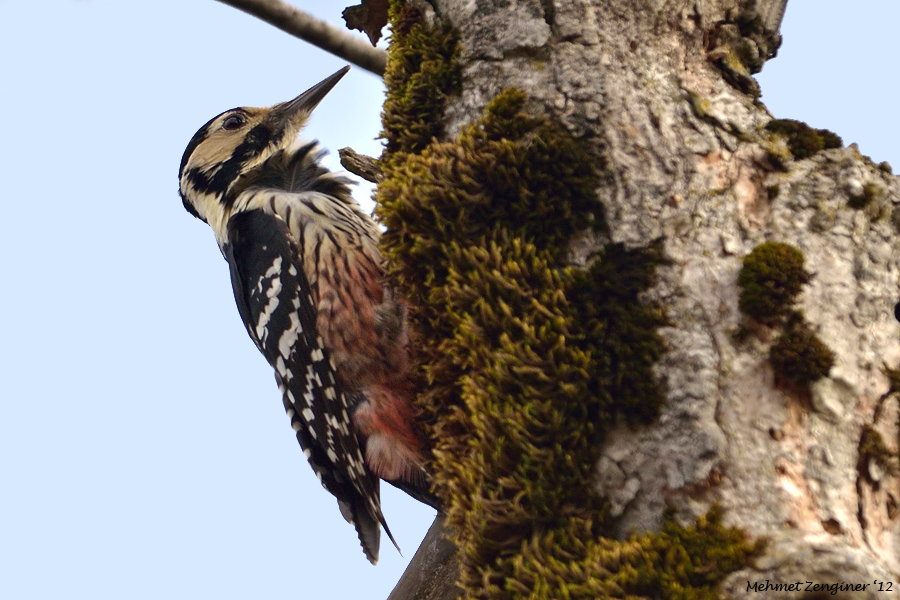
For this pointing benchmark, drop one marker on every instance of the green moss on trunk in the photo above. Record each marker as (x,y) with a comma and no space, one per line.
(798,355)
(803,140)
(770,279)
(422,70)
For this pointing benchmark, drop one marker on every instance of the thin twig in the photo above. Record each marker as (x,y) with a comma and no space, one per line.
(360,165)
(315,31)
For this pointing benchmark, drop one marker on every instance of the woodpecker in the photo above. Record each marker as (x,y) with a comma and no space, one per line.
(308,281)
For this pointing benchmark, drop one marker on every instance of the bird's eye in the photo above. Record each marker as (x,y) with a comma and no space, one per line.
(233,122)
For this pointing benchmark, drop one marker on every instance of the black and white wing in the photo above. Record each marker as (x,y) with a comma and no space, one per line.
(275,301)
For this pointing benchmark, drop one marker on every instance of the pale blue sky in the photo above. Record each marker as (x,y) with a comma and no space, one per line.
(144,451)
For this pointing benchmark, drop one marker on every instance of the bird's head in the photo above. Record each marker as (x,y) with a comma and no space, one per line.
(238,142)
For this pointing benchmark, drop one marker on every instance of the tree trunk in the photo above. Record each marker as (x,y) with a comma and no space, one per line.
(796,454)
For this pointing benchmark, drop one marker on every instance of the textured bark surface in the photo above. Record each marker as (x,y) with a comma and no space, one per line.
(433,571)
(648,83)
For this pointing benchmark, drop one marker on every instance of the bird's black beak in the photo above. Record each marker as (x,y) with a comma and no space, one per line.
(308,100)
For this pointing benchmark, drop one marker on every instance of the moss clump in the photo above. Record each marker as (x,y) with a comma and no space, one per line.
(830,140)
(770,280)
(870,192)
(680,562)
(799,356)
(803,140)
(872,449)
(477,231)
(422,71)
(619,331)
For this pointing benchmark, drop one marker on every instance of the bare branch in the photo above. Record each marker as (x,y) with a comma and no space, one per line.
(315,31)
(433,572)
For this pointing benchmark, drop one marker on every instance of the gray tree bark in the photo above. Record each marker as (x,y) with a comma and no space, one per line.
(654,86)
(433,572)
